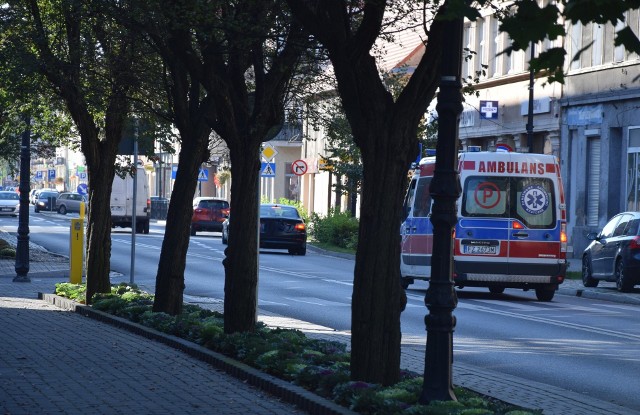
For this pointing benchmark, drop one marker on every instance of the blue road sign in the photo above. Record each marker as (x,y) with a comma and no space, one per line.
(268,169)
(82,189)
(39,175)
(52,174)
(203,175)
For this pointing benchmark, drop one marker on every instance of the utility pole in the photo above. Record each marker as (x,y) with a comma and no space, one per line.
(441,297)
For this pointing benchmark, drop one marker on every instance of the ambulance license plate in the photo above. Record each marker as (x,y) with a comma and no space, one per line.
(480,249)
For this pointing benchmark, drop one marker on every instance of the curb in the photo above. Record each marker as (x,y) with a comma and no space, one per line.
(279,388)
(595,295)
(41,274)
(330,253)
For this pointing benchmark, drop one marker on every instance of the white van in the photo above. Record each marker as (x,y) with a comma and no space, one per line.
(511,228)
(122,202)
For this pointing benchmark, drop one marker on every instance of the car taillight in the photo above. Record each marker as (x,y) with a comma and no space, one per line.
(300,227)
(635,243)
(225,212)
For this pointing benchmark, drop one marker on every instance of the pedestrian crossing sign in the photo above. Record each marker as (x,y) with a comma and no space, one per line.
(203,175)
(268,169)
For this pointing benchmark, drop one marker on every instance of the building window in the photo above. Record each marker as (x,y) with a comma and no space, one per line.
(593,180)
(633,169)
(597,48)
(619,51)
(482,46)
(576,44)
(495,59)
(467,66)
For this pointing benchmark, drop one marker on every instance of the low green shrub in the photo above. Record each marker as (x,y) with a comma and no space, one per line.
(320,366)
(337,228)
(7,252)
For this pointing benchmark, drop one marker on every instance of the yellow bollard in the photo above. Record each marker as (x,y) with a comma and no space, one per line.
(76,250)
(82,210)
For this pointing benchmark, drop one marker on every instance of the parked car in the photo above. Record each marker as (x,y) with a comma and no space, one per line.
(70,202)
(281,227)
(32,196)
(9,203)
(614,253)
(208,214)
(46,201)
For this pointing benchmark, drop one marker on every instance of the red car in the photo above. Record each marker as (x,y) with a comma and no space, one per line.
(208,214)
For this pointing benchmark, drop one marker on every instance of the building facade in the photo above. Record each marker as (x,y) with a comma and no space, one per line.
(600,129)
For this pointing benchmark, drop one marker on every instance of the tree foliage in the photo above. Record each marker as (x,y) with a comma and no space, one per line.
(88,62)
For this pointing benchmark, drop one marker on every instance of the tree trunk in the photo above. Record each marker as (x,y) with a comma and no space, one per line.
(241,261)
(378,299)
(99,229)
(173,257)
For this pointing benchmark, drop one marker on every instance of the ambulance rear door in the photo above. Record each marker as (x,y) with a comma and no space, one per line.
(482,232)
(535,235)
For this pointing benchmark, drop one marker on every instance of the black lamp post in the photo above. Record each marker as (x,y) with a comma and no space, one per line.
(441,297)
(22,250)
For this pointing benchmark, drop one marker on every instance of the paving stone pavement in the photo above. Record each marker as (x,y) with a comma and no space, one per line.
(104,369)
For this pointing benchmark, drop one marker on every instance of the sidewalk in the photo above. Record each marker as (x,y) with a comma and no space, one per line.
(104,369)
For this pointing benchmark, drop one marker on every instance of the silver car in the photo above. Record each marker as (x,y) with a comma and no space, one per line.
(9,203)
(69,202)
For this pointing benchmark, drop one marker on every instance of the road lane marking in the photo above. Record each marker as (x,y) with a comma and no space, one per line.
(262,268)
(545,320)
(266,302)
(316,301)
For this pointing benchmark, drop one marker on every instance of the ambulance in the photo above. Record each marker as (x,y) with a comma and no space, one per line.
(511,228)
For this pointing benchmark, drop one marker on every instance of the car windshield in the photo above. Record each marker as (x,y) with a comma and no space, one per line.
(45,195)
(278,212)
(214,204)
(9,196)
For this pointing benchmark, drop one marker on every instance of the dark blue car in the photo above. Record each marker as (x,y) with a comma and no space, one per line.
(614,253)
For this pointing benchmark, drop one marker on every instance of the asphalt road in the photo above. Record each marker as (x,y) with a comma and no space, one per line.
(584,345)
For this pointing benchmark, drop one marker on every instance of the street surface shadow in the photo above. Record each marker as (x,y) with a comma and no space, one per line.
(483,295)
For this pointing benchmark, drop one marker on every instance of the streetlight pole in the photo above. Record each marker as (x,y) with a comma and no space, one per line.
(22,250)
(441,298)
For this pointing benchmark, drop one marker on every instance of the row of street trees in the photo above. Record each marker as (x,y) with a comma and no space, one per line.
(229,67)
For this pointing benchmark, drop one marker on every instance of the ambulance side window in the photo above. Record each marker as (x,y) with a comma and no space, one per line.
(408,199)
(422,200)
